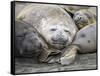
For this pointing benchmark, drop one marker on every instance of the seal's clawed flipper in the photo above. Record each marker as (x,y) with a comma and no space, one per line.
(67,57)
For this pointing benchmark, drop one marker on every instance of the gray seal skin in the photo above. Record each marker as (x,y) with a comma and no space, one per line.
(19,7)
(84,17)
(86,39)
(52,22)
(28,42)
(55,25)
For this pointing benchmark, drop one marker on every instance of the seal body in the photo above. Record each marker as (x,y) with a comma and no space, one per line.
(86,39)
(52,22)
(28,42)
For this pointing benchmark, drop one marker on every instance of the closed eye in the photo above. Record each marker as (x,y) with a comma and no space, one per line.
(53,29)
(66,30)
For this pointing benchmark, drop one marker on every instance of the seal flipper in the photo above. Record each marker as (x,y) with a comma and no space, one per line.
(69,55)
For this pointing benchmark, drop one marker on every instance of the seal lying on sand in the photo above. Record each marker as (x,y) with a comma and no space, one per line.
(57,29)
(52,22)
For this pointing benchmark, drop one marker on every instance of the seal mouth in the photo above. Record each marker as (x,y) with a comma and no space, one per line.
(59,43)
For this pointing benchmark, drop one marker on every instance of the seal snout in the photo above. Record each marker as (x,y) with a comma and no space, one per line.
(59,40)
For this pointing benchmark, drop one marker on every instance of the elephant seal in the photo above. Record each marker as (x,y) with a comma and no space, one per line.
(86,39)
(56,27)
(27,40)
(84,17)
(72,9)
(52,22)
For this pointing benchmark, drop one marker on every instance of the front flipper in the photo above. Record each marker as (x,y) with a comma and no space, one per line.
(69,55)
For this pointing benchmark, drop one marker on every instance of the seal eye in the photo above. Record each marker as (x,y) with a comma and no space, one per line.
(53,29)
(66,30)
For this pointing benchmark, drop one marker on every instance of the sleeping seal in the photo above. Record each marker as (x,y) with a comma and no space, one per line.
(57,29)
(84,17)
(52,22)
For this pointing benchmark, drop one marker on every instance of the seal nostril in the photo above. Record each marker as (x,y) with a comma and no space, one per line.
(54,39)
(79,18)
(59,40)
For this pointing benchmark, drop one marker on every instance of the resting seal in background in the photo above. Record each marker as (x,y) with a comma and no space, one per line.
(73,9)
(86,39)
(84,17)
